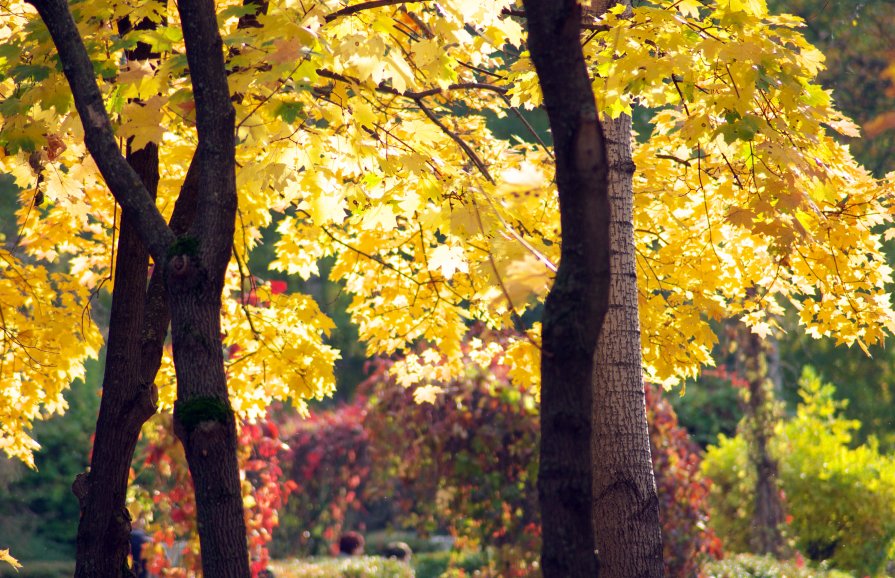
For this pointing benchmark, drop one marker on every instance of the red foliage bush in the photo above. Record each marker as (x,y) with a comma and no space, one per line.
(164,490)
(329,462)
(466,465)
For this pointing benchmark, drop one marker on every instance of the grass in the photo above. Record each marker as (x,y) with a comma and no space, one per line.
(357,567)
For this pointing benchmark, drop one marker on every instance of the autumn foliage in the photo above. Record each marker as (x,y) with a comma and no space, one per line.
(327,458)
(362,137)
(464,465)
(163,495)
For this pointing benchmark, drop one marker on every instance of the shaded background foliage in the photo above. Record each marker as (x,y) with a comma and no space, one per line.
(840,496)
(464,466)
(38,504)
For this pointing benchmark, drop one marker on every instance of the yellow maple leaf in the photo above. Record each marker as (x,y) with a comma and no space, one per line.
(143,122)
(427,394)
(448,260)
(5,557)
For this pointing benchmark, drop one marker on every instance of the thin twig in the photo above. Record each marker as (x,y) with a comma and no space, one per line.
(527,125)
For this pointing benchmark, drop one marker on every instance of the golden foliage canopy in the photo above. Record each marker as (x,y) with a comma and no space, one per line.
(362,136)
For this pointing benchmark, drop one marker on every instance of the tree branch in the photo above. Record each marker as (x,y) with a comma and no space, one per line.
(348,10)
(99,137)
(415,95)
(215,125)
(471,154)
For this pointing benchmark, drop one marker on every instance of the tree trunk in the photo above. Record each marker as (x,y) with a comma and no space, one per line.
(626,506)
(194,274)
(194,266)
(753,355)
(576,305)
(128,400)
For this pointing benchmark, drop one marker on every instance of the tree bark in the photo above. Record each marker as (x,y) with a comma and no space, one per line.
(195,270)
(193,265)
(128,399)
(127,402)
(626,506)
(576,305)
(752,362)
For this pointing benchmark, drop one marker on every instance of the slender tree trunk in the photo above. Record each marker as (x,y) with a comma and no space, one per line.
(195,270)
(626,506)
(753,355)
(127,401)
(576,305)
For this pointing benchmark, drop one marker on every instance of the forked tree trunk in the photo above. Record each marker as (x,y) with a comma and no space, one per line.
(576,305)
(626,506)
(194,266)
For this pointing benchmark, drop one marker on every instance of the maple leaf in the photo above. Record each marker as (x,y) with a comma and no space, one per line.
(448,260)
(379,216)
(143,122)
(286,50)
(427,393)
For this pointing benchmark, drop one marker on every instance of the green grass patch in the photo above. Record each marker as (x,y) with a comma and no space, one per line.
(356,567)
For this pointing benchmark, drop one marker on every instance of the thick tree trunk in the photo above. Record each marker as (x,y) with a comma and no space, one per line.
(753,355)
(625,507)
(576,305)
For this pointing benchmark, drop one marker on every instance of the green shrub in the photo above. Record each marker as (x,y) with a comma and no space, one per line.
(431,564)
(731,498)
(840,499)
(357,567)
(750,566)
(441,564)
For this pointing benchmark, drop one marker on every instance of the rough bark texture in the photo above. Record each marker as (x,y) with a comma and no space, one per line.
(195,269)
(190,269)
(576,305)
(102,530)
(127,402)
(626,507)
(752,362)
(129,397)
